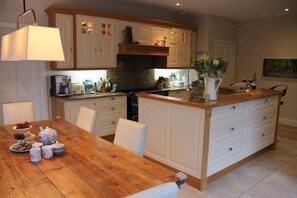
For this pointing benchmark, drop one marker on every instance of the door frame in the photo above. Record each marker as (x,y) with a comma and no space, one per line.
(228,42)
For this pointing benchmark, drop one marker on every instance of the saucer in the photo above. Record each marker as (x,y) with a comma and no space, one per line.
(21,148)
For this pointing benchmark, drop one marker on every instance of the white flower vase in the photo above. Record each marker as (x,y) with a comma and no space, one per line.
(210,90)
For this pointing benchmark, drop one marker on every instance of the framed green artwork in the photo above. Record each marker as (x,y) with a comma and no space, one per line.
(284,68)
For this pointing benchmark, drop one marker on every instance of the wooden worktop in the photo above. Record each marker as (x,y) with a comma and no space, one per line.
(223,99)
(89,167)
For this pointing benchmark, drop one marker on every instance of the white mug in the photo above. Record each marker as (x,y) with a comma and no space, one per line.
(47,152)
(35,154)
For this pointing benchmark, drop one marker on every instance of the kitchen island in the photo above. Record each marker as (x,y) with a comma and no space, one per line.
(208,139)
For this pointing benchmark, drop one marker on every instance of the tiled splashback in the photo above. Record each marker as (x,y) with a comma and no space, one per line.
(132,77)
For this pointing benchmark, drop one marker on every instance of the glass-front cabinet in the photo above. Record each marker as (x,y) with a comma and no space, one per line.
(96,42)
(180,48)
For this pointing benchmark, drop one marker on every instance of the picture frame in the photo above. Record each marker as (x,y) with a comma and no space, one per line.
(284,68)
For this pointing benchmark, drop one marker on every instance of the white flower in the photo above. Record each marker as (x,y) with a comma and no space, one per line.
(216,62)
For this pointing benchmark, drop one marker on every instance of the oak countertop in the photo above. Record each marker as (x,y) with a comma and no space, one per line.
(89,167)
(223,99)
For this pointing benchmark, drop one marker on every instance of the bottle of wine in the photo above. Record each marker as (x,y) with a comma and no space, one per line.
(254,81)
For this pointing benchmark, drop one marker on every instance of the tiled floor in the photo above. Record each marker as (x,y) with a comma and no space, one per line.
(271,175)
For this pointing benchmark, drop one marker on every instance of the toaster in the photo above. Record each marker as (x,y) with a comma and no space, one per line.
(77,88)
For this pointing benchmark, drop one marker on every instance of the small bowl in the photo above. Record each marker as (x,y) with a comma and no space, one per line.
(58,148)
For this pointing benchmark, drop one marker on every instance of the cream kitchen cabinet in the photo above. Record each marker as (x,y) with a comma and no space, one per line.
(96,42)
(65,24)
(72,108)
(179,41)
(142,33)
(109,110)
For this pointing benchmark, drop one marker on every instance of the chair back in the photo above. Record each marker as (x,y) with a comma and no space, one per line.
(283,89)
(18,112)
(238,84)
(131,135)
(86,119)
(167,190)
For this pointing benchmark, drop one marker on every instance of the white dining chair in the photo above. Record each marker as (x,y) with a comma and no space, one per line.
(166,190)
(18,112)
(86,119)
(131,135)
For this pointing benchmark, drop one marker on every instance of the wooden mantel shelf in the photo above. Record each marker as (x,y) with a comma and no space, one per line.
(135,49)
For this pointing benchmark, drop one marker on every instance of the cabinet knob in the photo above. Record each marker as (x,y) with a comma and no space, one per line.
(230,149)
(266,100)
(263,134)
(113,108)
(233,107)
(232,129)
(265,118)
(112,98)
(95,50)
(70,49)
(113,122)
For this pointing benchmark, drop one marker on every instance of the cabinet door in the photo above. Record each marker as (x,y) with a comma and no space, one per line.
(107,43)
(185,48)
(87,42)
(158,34)
(180,48)
(72,108)
(65,24)
(172,59)
(142,33)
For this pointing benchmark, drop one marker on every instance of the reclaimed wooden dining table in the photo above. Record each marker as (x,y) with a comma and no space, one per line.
(89,167)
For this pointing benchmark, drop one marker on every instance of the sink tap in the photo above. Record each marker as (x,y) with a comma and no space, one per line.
(188,80)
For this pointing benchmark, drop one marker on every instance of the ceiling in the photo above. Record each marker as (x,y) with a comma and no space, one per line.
(239,10)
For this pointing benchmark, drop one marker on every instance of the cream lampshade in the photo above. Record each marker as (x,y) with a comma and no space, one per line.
(32,43)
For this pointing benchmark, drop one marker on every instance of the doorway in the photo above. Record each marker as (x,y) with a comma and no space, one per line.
(227,50)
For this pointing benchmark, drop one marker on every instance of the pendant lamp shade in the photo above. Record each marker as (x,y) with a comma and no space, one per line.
(32,42)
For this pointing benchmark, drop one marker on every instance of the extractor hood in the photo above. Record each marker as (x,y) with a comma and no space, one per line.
(136,49)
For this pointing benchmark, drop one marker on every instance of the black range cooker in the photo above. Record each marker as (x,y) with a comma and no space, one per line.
(132,102)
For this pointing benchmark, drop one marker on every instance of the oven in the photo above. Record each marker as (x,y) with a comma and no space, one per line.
(132,102)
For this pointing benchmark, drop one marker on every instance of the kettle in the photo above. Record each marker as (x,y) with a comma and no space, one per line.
(48,136)
(88,86)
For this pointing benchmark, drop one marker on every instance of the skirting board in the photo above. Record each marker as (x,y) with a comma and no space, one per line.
(288,122)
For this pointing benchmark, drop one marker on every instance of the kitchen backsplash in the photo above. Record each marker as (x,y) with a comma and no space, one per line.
(131,77)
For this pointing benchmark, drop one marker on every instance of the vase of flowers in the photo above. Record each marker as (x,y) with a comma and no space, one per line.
(210,68)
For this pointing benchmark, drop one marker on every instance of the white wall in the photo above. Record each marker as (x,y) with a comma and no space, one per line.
(270,38)
(212,28)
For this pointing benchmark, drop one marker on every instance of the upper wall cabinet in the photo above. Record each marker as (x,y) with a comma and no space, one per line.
(65,24)
(96,42)
(179,42)
(90,39)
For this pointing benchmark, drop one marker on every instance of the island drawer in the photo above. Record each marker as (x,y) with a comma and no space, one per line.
(224,154)
(225,115)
